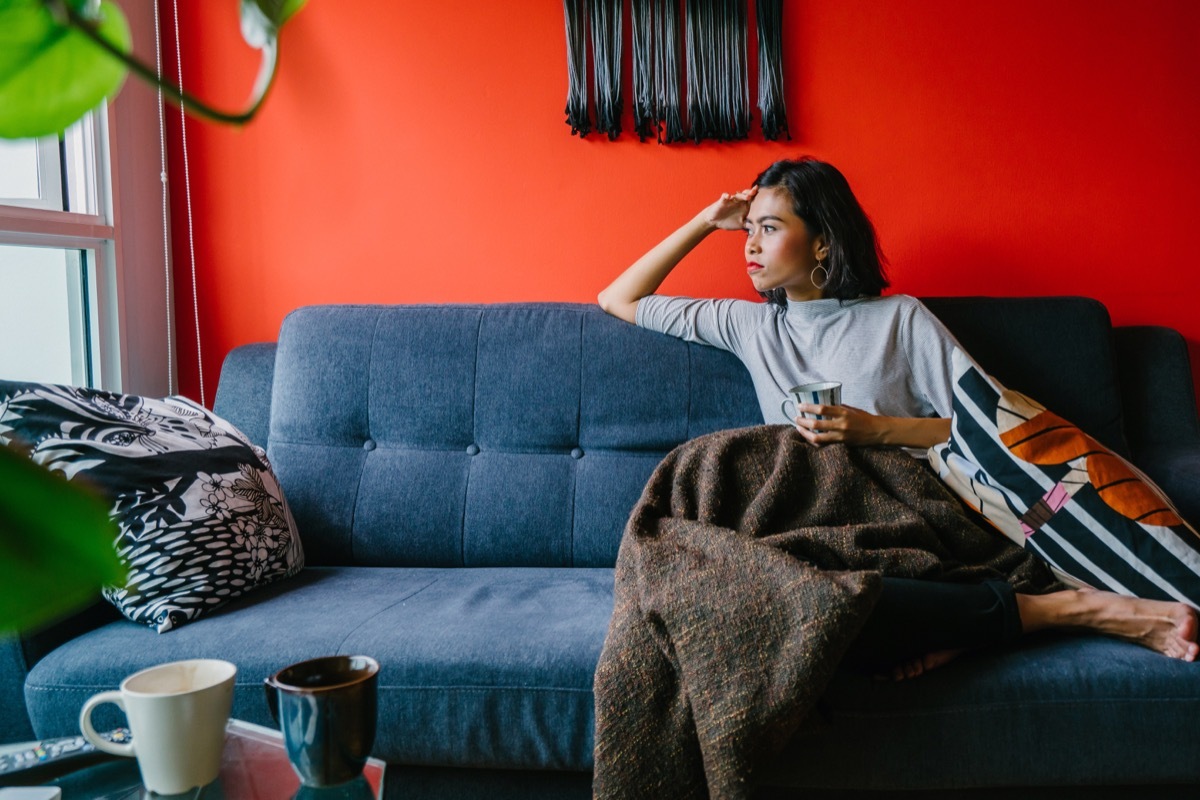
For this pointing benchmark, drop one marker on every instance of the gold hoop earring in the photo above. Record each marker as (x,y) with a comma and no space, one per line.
(813,275)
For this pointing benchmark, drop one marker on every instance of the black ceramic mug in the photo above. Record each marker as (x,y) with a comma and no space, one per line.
(326,710)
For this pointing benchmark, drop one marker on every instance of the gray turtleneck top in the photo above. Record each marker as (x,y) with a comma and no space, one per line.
(891,354)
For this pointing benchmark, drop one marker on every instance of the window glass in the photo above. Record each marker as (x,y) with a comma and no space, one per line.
(30,173)
(43,329)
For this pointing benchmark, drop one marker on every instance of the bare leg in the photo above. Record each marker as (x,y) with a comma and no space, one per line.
(1167,627)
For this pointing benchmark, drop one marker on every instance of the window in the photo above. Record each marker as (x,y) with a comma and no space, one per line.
(46,319)
(52,249)
(24,166)
(57,173)
(83,285)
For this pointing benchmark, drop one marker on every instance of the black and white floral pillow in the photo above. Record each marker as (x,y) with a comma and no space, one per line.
(201,514)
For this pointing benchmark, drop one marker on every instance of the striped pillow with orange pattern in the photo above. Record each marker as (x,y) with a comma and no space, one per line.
(1091,515)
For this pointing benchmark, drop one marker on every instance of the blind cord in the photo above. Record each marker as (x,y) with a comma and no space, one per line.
(162,176)
(187,190)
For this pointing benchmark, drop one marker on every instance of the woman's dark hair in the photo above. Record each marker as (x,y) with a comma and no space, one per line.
(821,197)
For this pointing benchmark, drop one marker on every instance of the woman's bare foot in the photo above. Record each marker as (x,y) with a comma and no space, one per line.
(1166,627)
(919,666)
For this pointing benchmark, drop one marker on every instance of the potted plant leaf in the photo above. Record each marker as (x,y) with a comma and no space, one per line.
(60,58)
(56,544)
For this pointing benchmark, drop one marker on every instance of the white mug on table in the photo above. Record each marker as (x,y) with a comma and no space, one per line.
(177,715)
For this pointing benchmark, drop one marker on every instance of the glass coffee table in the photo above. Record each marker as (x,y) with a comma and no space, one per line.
(254,767)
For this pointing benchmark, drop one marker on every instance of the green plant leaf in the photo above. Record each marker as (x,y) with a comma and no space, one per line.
(281,10)
(56,544)
(262,19)
(52,74)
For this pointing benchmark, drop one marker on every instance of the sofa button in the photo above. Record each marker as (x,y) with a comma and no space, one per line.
(472,449)
(576,453)
(369,444)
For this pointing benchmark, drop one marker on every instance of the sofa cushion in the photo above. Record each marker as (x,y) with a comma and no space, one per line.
(479,667)
(1049,487)
(201,515)
(439,405)
(493,668)
(505,435)
(1056,710)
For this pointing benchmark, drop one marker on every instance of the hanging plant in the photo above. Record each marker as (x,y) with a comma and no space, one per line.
(60,58)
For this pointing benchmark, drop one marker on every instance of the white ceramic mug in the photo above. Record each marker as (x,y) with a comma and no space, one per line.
(177,715)
(825,393)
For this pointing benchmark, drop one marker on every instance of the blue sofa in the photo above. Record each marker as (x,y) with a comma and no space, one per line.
(461,476)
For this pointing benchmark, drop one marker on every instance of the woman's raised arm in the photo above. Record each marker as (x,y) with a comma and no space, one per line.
(645,275)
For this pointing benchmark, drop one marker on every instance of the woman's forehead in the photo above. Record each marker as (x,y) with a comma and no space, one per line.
(774,200)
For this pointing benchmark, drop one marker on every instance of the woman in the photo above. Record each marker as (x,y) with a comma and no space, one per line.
(812,253)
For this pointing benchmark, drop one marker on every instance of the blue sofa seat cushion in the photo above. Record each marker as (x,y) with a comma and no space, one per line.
(1057,710)
(481,667)
(493,668)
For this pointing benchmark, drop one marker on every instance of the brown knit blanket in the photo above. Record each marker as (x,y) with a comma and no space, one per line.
(747,568)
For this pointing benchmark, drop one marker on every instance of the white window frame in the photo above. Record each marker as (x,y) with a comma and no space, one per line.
(48,160)
(129,294)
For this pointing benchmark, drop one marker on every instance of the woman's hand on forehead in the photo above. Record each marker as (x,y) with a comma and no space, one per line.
(730,210)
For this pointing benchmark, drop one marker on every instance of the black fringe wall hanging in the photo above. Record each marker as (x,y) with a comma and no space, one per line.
(641,17)
(578,118)
(655,26)
(667,109)
(771,107)
(718,85)
(715,38)
(606,21)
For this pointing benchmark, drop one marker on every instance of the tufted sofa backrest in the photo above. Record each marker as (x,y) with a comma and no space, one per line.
(488,435)
(522,434)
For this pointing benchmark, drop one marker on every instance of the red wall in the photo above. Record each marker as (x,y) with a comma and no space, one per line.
(416,152)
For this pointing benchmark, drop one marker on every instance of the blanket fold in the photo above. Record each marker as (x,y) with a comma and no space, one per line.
(747,568)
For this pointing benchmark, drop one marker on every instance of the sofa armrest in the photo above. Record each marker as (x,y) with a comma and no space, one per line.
(1157,394)
(1176,470)
(1159,402)
(14,721)
(244,391)
(18,654)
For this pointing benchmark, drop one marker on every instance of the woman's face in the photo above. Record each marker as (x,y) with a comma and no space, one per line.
(780,253)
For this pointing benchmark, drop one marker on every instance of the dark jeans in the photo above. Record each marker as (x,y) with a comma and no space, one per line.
(915,617)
